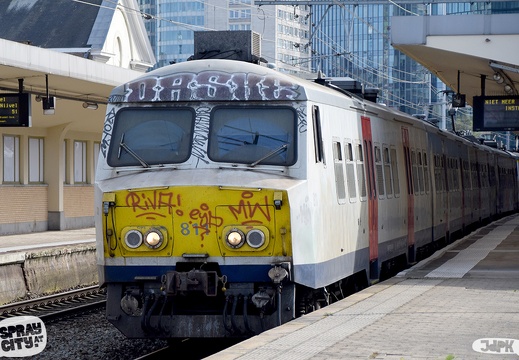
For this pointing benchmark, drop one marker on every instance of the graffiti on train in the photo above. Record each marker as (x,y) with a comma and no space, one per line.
(211,85)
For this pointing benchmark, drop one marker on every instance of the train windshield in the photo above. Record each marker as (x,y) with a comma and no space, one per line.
(253,136)
(151,136)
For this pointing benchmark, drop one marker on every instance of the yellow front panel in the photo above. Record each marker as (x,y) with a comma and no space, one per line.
(195,220)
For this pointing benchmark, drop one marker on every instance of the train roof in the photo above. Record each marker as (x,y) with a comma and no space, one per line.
(231,80)
(211,80)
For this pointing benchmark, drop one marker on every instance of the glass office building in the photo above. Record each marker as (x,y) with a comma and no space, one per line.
(341,41)
(354,41)
(171,26)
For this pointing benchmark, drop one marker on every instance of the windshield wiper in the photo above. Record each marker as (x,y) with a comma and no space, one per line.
(131,152)
(270,154)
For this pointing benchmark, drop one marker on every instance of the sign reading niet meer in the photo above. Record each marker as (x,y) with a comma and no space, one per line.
(496,113)
(14,109)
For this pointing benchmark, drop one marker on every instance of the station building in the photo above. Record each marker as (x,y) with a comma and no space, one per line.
(68,56)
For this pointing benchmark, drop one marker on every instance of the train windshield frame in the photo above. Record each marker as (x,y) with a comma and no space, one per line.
(260,135)
(151,136)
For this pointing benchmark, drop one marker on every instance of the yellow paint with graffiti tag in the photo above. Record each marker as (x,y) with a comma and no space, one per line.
(174,221)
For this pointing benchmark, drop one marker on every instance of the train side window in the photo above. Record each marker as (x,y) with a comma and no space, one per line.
(387,172)
(420,172)
(371,183)
(360,173)
(438,174)
(426,172)
(493,178)
(457,174)
(380,172)
(466,175)
(444,171)
(318,137)
(339,172)
(394,170)
(414,172)
(474,175)
(350,171)
(447,168)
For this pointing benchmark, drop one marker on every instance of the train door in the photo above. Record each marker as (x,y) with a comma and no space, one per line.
(410,196)
(372,198)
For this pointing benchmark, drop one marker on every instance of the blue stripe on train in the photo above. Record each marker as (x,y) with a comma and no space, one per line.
(234,273)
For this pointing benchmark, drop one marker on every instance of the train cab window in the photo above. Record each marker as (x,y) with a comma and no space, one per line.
(151,136)
(253,135)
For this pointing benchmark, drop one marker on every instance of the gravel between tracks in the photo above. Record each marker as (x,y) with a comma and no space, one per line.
(91,336)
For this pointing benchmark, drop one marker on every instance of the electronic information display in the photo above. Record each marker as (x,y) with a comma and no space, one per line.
(14,109)
(499,113)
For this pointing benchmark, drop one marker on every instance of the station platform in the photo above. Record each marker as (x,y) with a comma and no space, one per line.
(461,303)
(43,263)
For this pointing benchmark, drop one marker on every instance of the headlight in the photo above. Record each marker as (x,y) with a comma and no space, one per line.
(133,239)
(255,238)
(235,238)
(153,239)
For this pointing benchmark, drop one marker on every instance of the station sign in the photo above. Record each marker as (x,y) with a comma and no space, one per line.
(14,110)
(496,113)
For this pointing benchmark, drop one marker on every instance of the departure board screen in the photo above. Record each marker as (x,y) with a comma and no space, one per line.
(14,109)
(499,113)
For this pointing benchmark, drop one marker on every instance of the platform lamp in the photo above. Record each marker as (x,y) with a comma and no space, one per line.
(501,77)
(49,103)
(90,105)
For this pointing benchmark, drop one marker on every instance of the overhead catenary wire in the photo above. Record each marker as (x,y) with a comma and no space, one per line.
(378,70)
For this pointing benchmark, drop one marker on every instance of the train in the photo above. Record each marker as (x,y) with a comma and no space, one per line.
(231,198)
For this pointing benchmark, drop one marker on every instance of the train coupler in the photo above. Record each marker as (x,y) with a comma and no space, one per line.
(192,281)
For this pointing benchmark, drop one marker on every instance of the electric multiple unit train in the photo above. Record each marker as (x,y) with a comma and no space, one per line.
(231,198)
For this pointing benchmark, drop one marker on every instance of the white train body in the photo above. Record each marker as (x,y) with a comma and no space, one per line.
(353,191)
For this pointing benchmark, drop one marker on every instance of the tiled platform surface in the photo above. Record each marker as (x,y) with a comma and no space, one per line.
(439,309)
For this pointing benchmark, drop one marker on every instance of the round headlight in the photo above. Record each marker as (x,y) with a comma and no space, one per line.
(133,239)
(153,239)
(255,238)
(235,238)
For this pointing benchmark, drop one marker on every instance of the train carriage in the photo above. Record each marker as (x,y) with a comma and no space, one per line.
(231,198)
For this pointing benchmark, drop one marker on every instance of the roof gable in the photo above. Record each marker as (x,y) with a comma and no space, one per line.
(48,23)
(98,29)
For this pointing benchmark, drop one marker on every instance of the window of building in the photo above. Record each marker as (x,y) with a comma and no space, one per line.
(97,149)
(11,158)
(80,161)
(36,160)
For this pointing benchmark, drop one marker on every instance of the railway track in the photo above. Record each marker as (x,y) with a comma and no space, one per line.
(190,349)
(57,305)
